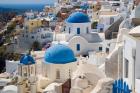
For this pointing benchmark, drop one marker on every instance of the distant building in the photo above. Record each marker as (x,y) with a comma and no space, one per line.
(30,15)
(41,34)
(126,52)
(34,23)
(107,18)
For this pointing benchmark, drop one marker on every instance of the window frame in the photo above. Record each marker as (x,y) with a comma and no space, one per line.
(78,47)
(78,30)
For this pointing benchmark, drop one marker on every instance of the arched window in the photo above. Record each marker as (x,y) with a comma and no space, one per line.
(32,70)
(87,30)
(78,47)
(78,30)
(25,71)
(69,30)
(64,28)
(100,48)
(107,50)
(126,66)
(57,74)
(32,37)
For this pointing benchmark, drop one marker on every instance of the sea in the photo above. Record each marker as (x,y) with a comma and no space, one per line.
(23,7)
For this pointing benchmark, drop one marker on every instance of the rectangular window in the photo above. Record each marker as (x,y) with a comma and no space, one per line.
(78,47)
(57,74)
(32,70)
(107,50)
(64,28)
(126,68)
(100,48)
(78,30)
(69,30)
(32,37)
(101,29)
(48,35)
(24,71)
(87,30)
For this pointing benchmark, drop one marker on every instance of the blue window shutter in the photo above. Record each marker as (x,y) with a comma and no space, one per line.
(78,30)
(78,47)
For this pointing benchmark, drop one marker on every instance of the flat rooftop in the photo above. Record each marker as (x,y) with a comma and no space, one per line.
(107,13)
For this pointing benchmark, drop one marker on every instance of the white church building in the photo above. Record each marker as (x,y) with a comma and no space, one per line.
(49,74)
(56,70)
(78,35)
(59,63)
(27,79)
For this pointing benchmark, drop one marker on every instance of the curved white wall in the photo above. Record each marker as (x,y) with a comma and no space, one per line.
(78,40)
(51,69)
(85,46)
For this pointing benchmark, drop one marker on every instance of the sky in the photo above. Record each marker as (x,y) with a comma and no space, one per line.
(24,1)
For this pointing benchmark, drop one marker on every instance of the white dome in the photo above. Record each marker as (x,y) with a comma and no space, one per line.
(9,89)
(135,31)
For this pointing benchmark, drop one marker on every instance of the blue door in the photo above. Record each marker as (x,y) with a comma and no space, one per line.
(78,30)
(120,86)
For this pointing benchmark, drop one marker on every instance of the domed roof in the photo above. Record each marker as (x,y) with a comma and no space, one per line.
(27,59)
(10,89)
(59,54)
(78,17)
(135,31)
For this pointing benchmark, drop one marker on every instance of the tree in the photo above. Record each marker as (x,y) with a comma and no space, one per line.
(11,27)
(94,25)
(36,46)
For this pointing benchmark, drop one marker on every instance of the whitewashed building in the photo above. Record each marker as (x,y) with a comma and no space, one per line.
(78,35)
(40,34)
(131,58)
(107,18)
(30,15)
(27,75)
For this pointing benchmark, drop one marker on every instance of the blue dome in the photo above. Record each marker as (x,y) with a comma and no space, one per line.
(78,17)
(27,60)
(59,54)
